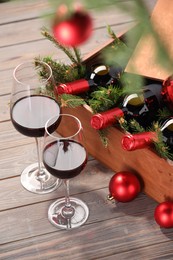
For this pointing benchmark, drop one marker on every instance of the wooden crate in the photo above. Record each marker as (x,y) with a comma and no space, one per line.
(155,173)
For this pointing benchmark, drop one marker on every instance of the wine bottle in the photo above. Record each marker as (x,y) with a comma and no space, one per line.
(142,140)
(100,76)
(139,106)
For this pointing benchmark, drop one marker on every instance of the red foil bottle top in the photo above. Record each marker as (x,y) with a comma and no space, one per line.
(105,119)
(75,87)
(137,141)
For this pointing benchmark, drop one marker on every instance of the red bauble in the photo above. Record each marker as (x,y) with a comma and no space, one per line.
(164,214)
(74,30)
(167,92)
(124,186)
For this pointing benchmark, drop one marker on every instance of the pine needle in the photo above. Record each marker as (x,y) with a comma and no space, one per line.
(72,101)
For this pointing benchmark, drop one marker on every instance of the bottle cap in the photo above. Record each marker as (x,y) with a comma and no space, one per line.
(97,121)
(138,141)
(106,118)
(75,87)
(62,88)
(128,142)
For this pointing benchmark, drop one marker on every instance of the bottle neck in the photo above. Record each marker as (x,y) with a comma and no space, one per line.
(100,75)
(167,132)
(75,87)
(142,107)
(135,104)
(107,118)
(138,141)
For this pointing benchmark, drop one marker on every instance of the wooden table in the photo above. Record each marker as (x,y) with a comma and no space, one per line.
(122,231)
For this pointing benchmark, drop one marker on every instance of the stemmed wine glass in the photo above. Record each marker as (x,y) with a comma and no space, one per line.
(64,156)
(30,109)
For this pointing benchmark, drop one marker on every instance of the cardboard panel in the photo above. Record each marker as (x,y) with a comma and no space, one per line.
(143,60)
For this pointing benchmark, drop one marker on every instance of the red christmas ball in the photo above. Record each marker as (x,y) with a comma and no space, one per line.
(167,92)
(163,214)
(74,29)
(124,186)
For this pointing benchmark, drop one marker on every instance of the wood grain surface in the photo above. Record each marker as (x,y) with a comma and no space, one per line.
(113,231)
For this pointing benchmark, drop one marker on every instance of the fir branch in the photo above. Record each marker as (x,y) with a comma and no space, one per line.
(80,66)
(117,41)
(66,50)
(62,73)
(72,101)
(104,98)
(135,126)
(103,136)
(117,49)
(123,124)
(164,113)
(78,56)
(161,148)
(131,126)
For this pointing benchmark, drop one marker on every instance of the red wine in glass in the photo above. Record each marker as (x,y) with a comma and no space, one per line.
(65,156)
(71,162)
(30,123)
(30,108)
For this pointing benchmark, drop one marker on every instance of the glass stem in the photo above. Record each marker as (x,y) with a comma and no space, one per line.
(67,197)
(41,173)
(68,210)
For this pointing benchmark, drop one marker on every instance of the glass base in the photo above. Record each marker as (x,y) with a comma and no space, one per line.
(81,213)
(39,185)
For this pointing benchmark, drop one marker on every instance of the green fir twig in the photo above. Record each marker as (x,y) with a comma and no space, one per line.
(72,101)
(66,50)
(103,133)
(135,126)
(161,148)
(104,98)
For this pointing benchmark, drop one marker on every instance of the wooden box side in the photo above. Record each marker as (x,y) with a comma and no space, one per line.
(156,174)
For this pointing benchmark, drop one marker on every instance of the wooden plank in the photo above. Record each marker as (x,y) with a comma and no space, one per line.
(14,160)
(14,11)
(10,137)
(30,219)
(20,10)
(14,195)
(158,251)
(4,108)
(144,59)
(30,30)
(88,243)
(6,81)
(11,56)
(94,240)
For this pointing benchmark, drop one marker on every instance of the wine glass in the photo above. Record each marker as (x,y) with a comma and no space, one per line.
(64,156)
(30,108)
